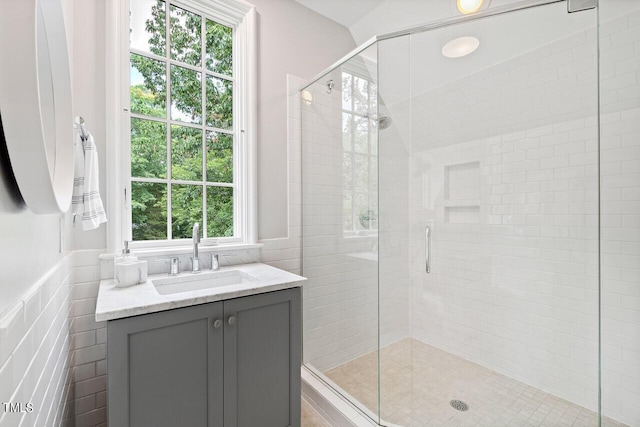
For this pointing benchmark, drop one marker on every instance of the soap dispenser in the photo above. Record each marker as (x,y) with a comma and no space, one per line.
(125,256)
(127,270)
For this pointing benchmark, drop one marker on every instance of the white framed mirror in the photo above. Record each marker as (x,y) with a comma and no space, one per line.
(36,103)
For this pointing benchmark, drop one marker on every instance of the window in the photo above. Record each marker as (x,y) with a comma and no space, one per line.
(360,151)
(188,146)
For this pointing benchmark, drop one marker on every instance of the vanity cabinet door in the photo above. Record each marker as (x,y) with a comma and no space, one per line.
(262,355)
(166,369)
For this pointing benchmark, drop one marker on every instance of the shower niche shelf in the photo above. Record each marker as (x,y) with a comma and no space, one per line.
(462,193)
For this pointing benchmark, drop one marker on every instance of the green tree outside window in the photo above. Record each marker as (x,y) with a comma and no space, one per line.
(201,151)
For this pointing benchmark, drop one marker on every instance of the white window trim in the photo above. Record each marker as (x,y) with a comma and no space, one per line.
(236,13)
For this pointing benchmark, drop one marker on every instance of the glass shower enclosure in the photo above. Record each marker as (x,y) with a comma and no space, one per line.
(469,220)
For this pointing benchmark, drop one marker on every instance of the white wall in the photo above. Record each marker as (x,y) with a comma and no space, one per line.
(285,253)
(25,238)
(89,99)
(291,39)
(620,193)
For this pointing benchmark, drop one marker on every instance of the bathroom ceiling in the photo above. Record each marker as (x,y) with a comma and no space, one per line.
(366,18)
(345,12)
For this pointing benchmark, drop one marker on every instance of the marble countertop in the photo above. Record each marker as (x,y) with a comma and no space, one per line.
(115,303)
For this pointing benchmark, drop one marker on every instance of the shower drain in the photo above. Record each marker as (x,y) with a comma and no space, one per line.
(459,405)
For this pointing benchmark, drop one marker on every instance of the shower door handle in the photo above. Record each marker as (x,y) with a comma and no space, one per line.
(427,249)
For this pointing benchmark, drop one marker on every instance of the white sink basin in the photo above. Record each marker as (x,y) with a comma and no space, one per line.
(196,282)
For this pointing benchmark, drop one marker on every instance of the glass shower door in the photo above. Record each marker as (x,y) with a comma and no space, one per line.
(489,180)
(340,229)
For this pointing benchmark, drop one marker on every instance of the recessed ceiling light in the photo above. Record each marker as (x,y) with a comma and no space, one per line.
(469,6)
(462,46)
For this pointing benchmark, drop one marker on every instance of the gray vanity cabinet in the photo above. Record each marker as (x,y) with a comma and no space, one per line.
(234,363)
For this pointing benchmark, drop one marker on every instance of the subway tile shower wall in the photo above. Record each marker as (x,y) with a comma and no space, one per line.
(36,378)
(620,170)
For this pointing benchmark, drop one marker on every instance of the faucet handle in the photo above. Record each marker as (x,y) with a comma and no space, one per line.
(215,260)
(174,264)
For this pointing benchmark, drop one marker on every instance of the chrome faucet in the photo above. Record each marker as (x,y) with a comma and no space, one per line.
(195,262)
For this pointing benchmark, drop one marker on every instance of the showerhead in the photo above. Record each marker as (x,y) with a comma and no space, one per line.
(384,122)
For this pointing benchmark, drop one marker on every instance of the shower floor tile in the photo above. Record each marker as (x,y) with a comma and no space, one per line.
(417,382)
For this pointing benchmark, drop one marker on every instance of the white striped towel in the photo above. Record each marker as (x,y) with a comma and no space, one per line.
(86,201)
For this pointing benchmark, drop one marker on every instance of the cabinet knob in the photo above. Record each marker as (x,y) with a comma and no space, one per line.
(217,323)
(232,320)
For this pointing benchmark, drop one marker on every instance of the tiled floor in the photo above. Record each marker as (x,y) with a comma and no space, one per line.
(418,381)
(310,418)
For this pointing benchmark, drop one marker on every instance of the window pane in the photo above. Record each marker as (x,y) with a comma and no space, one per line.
(219,103)
(186,209)
(361,209)
(373,173)
(219,157)
(169,91)
(347,170)
(219,211)
(347,80)
(219,48)
(148,149)
(373,98)
(186,95)
(361,172)
(186,30)
(186,153)
(148,86)
(148,28)
(148,211)
(347,131)
(360,95)
(374,138)
(373,211)
(361,135)
(347,211)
